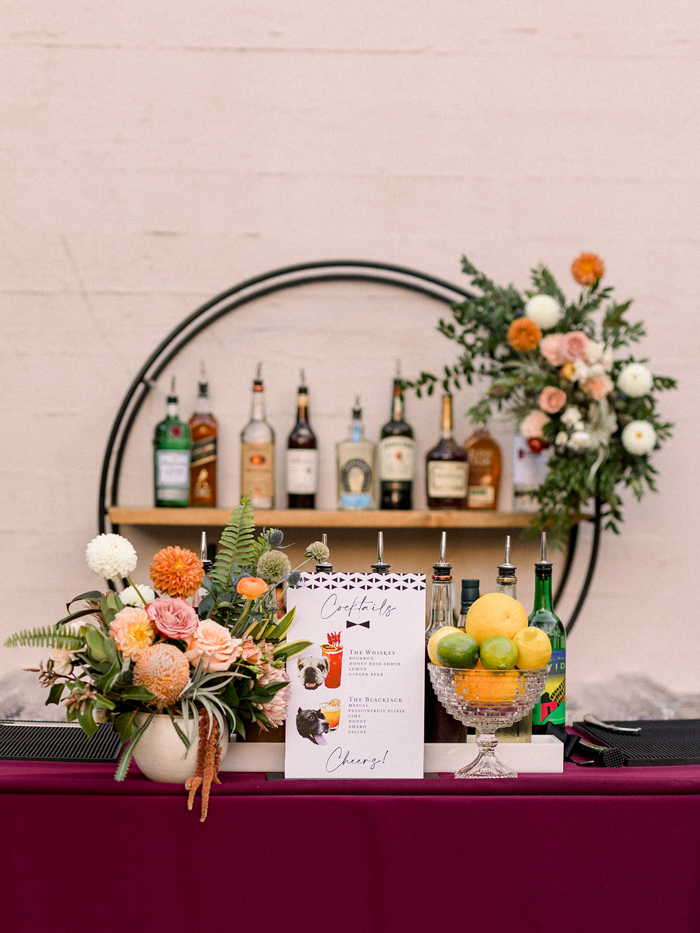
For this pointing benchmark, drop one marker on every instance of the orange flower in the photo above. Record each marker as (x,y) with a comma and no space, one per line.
(164,670)
(524,335)
(567,371)
(587,268)
(251,587)
(177,572)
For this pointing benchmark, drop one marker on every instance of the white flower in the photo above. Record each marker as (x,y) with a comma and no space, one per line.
(130,597)
(561,439)
(61,658)
(580,371)
(580,440)
(111,556)
(607,360)
(594,352)
(639,437)
(571,416)
(544,310)
(635,380)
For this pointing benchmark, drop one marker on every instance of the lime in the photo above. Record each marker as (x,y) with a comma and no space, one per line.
(436,637)
(498,653)
(534,649)
(458,650)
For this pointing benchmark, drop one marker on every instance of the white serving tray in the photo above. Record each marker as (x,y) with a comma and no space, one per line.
(544,755)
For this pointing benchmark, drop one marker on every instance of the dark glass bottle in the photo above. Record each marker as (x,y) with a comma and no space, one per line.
(396,456)
(446,466)
(203,430)
(551,705)
(172,447)
(470,594)
(302,456)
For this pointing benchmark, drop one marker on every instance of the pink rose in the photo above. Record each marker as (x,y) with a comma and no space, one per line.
(552,399)
(214,642)
(575,345)
(174,618)
(533,424)
(552,349)
(598,386)
(250,652)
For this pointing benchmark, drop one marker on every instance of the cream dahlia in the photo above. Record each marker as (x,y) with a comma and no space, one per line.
(544,310)
(130,596)
(164,670)
(639,437)
(111,556)
(635,380)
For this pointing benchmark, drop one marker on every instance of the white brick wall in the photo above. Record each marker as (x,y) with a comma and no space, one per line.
(153,154)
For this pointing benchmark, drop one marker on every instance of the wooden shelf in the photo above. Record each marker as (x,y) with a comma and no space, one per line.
(315,518)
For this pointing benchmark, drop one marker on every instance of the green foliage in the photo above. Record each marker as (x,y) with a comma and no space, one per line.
(237,544)
(45,638)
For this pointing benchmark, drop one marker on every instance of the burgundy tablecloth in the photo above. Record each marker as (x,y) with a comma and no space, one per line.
(589,849)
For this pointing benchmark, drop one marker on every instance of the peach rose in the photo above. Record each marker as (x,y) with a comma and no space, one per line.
(251,587)
(533,424)
(598,386)
(250,652)
(173,618)
(552,399)
(132,631)
(575,345)
(552,349)
(214,642)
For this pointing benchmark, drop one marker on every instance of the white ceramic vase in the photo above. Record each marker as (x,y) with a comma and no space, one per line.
(160,752)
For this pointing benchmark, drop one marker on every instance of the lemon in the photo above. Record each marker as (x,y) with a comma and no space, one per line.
(457,649)
(534,649)
(435,638)
(495,614)
(498,653)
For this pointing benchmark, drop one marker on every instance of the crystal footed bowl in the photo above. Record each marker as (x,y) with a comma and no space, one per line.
(487,700)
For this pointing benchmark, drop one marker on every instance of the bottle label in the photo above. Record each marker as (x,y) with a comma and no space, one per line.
(356,476)
(203,451)
(355,500)
(447,479)
(551,705)
(396,458)
(172,473)
(481,497)
(302,471)
(258,470)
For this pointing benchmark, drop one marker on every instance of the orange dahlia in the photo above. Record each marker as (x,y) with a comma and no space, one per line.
(524,335)
(587,268)
(164,670)
(177,572)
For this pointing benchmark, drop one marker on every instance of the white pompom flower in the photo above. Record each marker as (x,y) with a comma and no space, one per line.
(111,556)
(639,438)
(544,310)
(130,597)
(635,380)
(580,440)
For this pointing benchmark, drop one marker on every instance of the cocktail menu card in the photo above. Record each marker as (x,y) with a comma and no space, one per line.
(356,703)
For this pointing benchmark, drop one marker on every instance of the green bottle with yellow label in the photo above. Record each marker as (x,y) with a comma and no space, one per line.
(551,706)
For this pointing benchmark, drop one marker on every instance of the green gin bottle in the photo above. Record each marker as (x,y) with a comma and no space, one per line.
(172,449)
(551,705)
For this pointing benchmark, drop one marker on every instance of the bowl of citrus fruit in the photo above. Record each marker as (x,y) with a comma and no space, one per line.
(489,674)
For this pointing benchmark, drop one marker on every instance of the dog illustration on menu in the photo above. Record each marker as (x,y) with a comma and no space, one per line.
(312,670)
(312,725)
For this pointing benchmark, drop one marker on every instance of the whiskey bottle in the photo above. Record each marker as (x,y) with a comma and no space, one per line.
(302,456)
(171,447)
(396,456)
(355,466)
(551,705)
(446,466)
(484,458)
(258,452)
(203,430)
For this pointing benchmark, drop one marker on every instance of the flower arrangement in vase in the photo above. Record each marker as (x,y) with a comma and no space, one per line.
(567,376)
(212,668)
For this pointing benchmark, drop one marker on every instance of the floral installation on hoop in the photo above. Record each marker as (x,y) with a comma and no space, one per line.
(570,382)
(219,664)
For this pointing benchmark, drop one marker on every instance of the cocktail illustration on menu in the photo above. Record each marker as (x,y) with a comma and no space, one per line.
(331,713)
(333,650)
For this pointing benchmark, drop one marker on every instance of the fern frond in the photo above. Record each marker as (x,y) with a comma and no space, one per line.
(237,543)
(45,638)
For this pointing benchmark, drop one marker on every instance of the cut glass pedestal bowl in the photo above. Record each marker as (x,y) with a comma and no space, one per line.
(487,700)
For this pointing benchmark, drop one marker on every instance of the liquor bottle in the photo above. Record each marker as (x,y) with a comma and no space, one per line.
(172,446)
(258,452)
(470,594)
(506,581)
(396,455)
(551,705)
(446,466)
(439,726)
(529,472)
(203,430)
(207,565)
(302,456)
(484,458)
(355,465)
(380,566)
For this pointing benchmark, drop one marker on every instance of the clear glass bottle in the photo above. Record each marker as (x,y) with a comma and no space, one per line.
(396,455)
(551,707)
(506,581)
(355,458)
(302,456)
(172,447)
(258,452)
(484,457)
(204,431)
(446,466)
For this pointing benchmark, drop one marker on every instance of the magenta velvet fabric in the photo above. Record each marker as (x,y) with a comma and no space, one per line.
(594,848)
